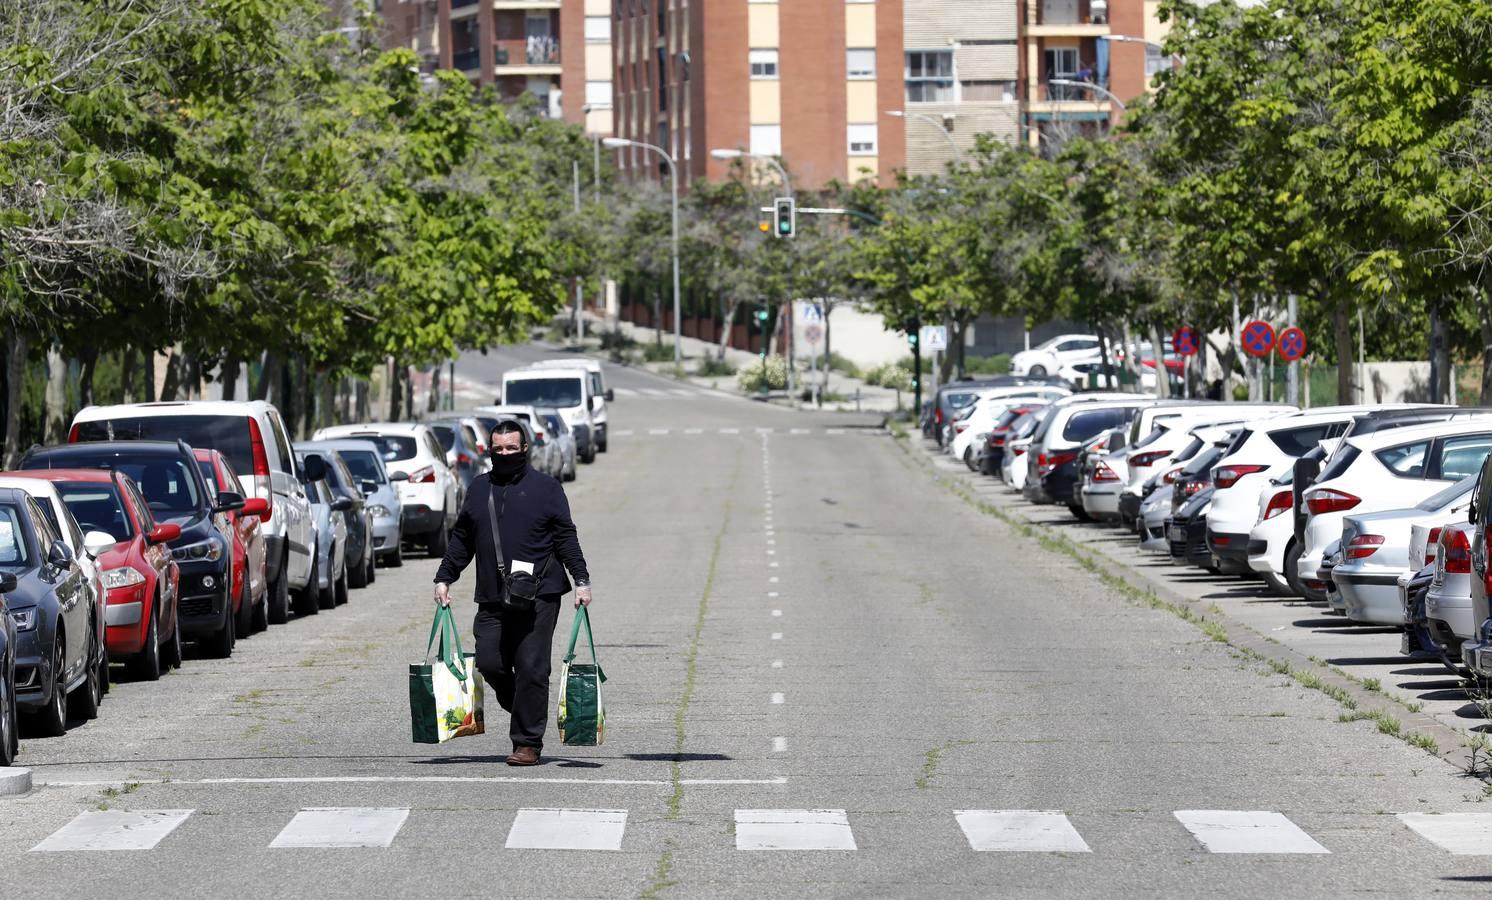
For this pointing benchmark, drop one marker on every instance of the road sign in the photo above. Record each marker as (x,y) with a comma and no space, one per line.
(1292,345)
(934,337)
(812,312)
(1257,338)
(813,334)
(1184,341)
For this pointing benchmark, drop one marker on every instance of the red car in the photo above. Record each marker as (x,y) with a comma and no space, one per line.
(250,588)
(139,575)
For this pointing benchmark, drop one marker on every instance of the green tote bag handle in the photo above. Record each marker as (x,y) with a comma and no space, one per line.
(583,615)
(449,650)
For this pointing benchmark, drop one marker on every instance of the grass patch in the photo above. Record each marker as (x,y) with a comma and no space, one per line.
(932,759)
(1373,685)
(662,877)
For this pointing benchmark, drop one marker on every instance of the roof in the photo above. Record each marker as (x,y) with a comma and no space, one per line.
(94,448)
(91,476)
(591,365)
(174,407)
(337,431)
(1395,436)
(577,371)
(348,443)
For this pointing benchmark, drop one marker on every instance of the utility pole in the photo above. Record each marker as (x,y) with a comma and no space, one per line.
(1292,372)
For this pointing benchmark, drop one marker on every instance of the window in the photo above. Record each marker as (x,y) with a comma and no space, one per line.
(766,140)
(929,76)
(1299,441)
(862,140)
(1406,460)
(860,63)
(598,29)
(1088,424)
(598,93)
(1155,61)
(987,91)
(763,64)
(1461,457)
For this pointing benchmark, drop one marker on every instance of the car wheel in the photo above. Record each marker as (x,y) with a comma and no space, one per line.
(278,602)
(601,445)
(1037,371)
(357,576)
(1277,585)
(260,619)
(84,701)
(220,644)
(372,569)
(245,623)
(172,657)
(437,542)
(146,666)
(51,720)
(1293,553)
(969,458)
(590,455)
(1078,512)
(307,603)
(396,557)
(8,740)
(339,590)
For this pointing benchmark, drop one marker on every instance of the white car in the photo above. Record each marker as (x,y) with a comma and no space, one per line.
(601,395)
(1449,615)
(1375,552)
(1051,356)
(252,435)
(567,390)
(429,490)
(979,417)
(1390,469)
(1069,423)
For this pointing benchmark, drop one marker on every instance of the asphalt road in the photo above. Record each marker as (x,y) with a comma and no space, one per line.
(828,677)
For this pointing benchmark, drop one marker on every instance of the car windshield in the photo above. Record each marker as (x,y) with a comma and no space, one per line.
(229,435)
(1190,450)
(1008,416)
(394,447)
(97,507)
(209,476)
(560,392)
(1152,437)
(1450,495)
(446,435)
(12,542)
(1345,457)
(170,488)
(364,465)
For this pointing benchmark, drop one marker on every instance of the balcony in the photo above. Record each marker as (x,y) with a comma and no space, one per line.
(535,55)
(467,60)
(1067,18)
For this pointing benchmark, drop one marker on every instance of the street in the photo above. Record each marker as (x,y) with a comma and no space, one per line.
(828,676)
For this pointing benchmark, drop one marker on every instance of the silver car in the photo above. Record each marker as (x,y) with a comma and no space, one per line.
(559,434)
(329,564)
(366,462)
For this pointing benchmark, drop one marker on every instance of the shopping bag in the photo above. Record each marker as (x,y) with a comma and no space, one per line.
(445,691)
(582,714)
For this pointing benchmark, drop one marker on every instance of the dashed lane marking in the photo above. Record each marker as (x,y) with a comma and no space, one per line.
(778,698)
(114,830)
(793,829)
(568,829)
(421,779)
(1041,831)
(776,635)
(779,745)
(1234,831)
(1464,834)
(341,828)
(776,663)
(657,431)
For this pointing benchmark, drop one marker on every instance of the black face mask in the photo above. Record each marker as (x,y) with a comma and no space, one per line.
(505,465)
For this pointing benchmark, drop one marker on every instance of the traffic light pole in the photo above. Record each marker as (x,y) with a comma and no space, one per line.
(916,370)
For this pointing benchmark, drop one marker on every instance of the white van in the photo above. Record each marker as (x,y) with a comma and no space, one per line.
(567,390)
(601,395)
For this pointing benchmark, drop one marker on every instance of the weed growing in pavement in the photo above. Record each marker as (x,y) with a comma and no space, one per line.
(1373,685)
(930,762)
(662,877)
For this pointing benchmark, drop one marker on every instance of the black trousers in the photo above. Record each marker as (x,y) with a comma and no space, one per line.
(513,652)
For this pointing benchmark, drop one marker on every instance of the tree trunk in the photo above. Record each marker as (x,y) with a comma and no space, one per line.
(88,362)
(407,374)
(1162,374)
(396,391)
(327,415)
(1341,333)
(433,402)
(147,373)
(344,401)
(17,348)
(657,316)
(54,403)
(958,325)
(727,326)
(1105,356)
(127,359)
(269,377)
(828,309)
(363,411)
(1484,317)
(228,377)
(172,383)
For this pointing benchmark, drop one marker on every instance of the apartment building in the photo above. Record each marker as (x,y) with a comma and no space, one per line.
(962,69)
(809,81)
(1114,44)
(557,50)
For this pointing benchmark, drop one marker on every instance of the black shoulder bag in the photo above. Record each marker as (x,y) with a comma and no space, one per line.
(519,589)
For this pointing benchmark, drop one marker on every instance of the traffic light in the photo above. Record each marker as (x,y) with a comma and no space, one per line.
(765,227)
(784,217)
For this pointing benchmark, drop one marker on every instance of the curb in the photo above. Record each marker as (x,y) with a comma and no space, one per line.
(1451,744)
(15,782)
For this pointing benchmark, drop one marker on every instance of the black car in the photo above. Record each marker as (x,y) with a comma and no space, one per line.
(175,491)
(57,657)
(344,485)
(1186,532)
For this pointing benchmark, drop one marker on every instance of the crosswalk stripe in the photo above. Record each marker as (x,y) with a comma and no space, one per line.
(833,431)
(793,829)
(1236,831)
(694,431)
(798,431)
(568,829)
(341,827)
(622,432)
(114,830)
(764,431)
(1464,834)
(657,431)
(680,392)
(1023,830)
(730,431)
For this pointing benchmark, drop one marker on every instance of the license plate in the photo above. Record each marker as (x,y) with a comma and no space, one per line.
(1483,659)
(1176,534)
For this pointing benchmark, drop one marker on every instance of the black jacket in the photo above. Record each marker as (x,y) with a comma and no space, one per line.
(534,521)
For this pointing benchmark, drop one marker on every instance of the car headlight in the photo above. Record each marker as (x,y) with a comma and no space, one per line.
(379,511)
(25,619)
(210,550)
(122,577)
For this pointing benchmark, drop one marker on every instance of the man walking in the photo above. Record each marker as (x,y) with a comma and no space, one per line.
(533,523)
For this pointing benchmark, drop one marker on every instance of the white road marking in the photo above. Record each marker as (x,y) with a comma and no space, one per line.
(568,829)
(772,564)
(793,829)
(694,431)
(680,392)
(655,392)
(341,827)
(626,392)
(657,431)
(1041,831)
(114,830)
(777,613)
(776,635)
(622,432)
(771,541)
(779,745)
(776,663)
(771,552)
(772,593)
(798,431)
(764,431)
(772,580)
(778,698)
(1464,834)
(417,779)
(833,431)
(730,431)
(1236,831)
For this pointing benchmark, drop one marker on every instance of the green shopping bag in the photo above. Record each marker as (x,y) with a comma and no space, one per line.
(582,714)
(445,698)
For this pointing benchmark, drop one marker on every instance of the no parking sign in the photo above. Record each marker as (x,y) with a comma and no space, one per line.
(1257,338)
(1184,341)
(1292,344)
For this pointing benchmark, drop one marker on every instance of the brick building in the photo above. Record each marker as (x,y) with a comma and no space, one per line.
(810,81)
(557,50)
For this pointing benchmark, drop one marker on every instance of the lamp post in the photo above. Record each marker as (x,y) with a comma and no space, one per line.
(903,114)
(1073,82)
(673,178)
(723,153)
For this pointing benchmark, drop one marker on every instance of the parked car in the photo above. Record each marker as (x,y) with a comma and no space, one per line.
(429,492)
(1048,357)
(1448,616)
(950,398)
(10,726)
(466,452)
(974,421)
(364,460)
(250,582)
(331,536)
(361,570)
(1187,531)
(1017,457)
(1476,652)
(566,389)
(174,490)
(253,436)
(601,395)
(1069,423)
(139,573)
(992,454)
(557,432)
(57,657)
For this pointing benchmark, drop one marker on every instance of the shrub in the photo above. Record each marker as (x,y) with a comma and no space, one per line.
(655,352)
(710,366)
(896,378)
(770,373)
(844,366)
(998,364)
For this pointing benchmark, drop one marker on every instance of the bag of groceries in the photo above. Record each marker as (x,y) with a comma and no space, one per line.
(582,714)
(445,691)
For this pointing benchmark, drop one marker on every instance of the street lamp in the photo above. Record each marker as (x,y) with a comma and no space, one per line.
(1073,82)
(613,143)
(724,153)
(903,114)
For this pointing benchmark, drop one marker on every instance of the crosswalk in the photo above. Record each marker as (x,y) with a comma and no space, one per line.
(656,392)
(984,830)
(695,431)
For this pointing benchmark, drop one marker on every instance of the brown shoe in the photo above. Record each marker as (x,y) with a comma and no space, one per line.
(524,756)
